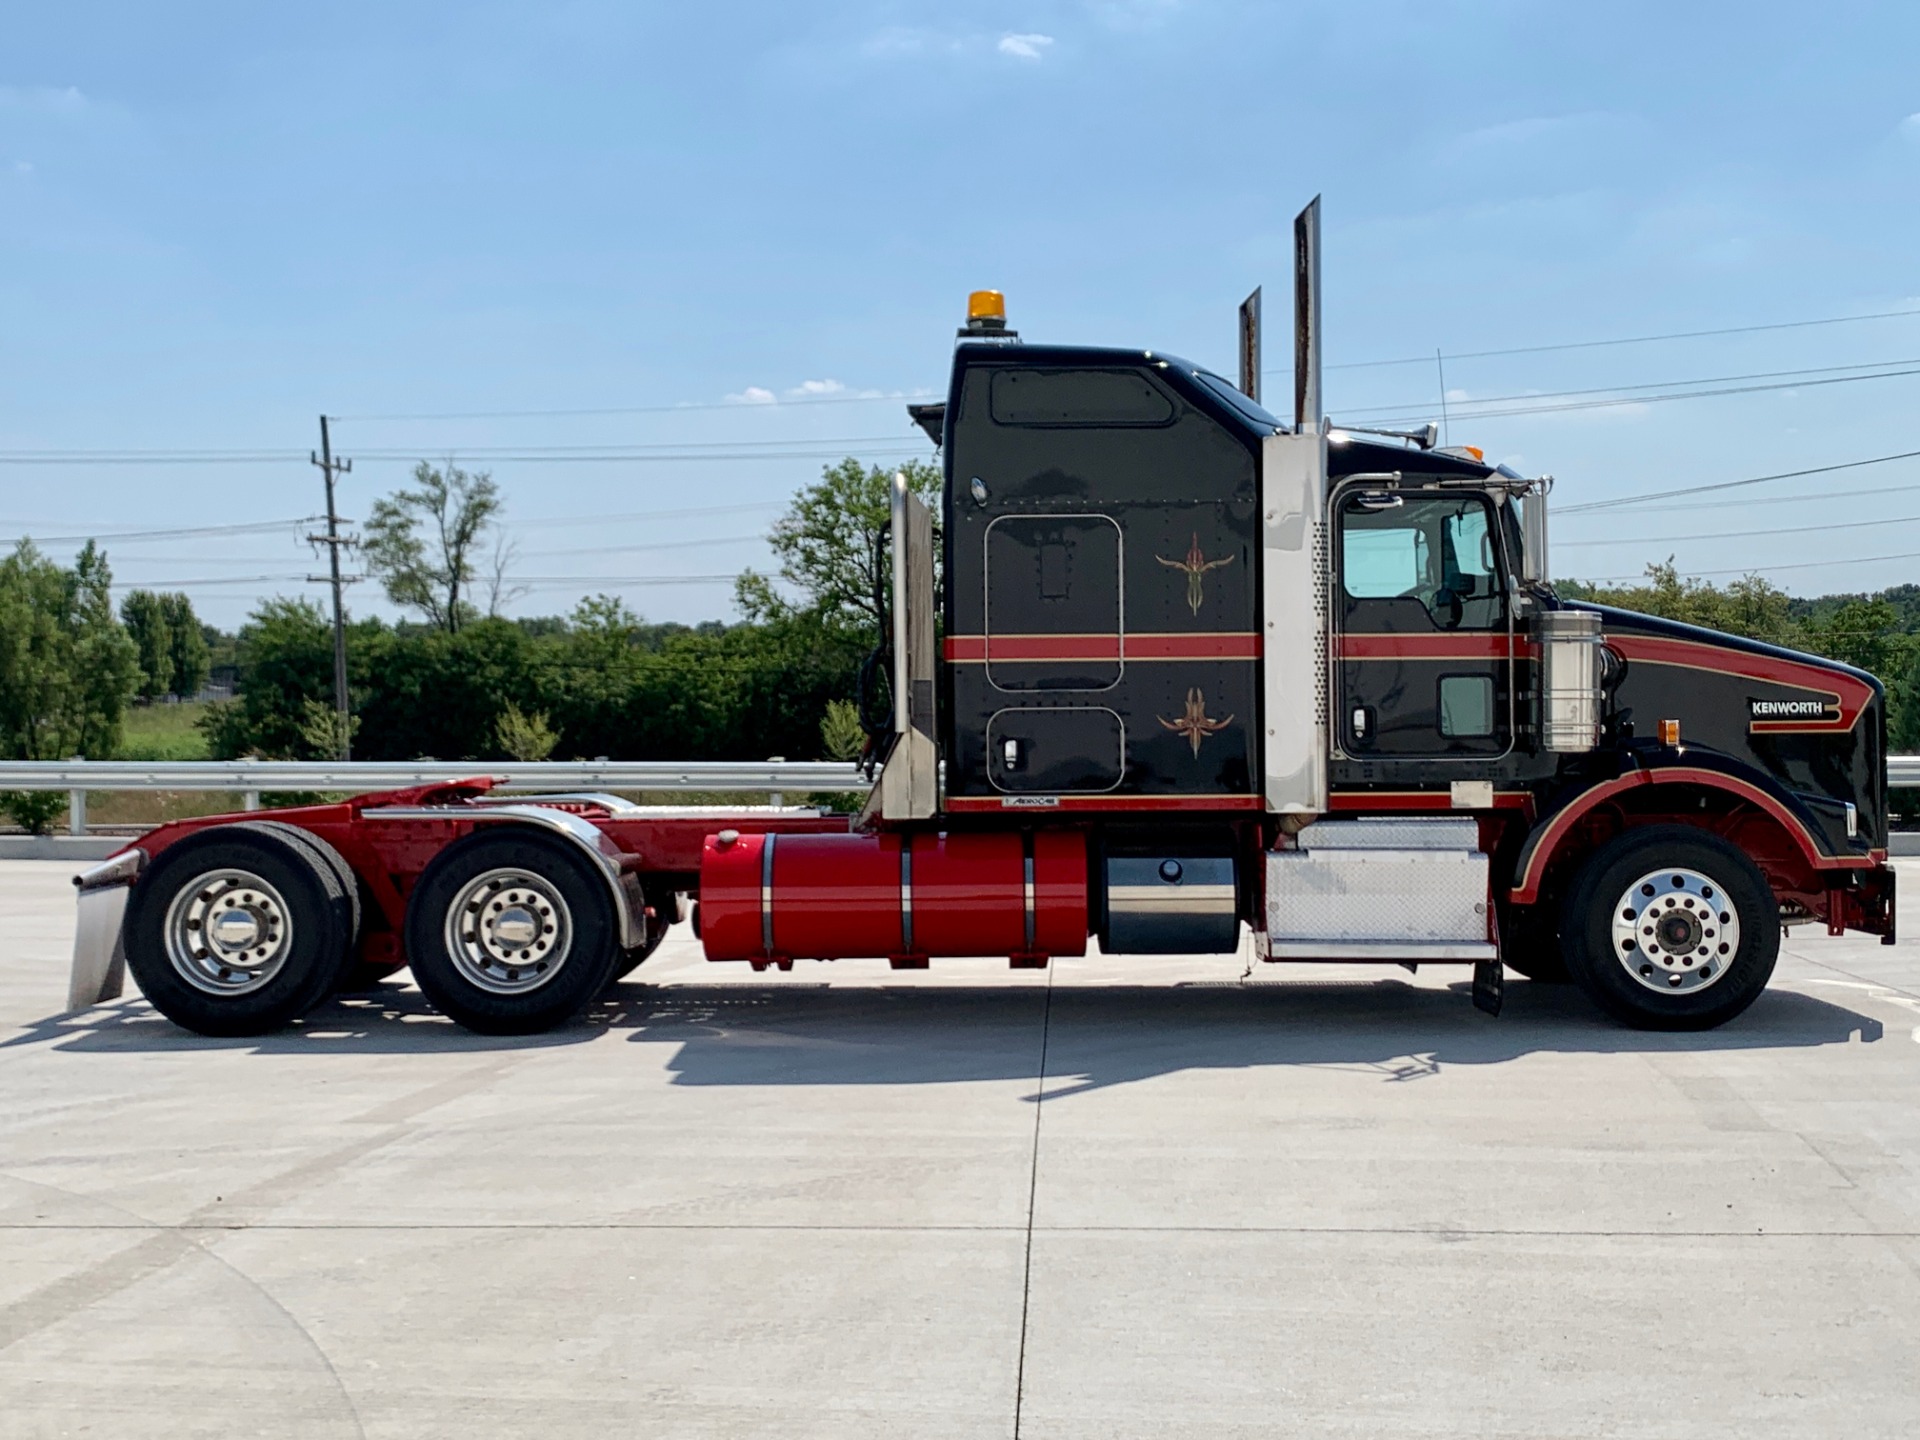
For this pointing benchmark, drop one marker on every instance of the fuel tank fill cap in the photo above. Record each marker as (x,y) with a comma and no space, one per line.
(1170,871)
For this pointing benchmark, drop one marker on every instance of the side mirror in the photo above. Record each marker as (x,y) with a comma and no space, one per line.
(1533,534)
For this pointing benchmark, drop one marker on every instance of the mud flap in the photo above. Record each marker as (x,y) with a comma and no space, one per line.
(1489,986)
(99,969)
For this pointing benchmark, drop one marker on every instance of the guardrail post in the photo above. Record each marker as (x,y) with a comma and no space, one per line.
(776,798)
(76,812)
(250,800)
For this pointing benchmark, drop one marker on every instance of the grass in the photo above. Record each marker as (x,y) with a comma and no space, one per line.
(163,732)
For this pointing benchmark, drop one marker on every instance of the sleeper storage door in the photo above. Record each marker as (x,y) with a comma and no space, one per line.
(1424,639)
(1054,619)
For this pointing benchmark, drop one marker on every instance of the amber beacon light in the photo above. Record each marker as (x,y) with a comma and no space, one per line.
(987,315)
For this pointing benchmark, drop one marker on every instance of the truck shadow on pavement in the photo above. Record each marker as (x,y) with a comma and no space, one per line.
(1112,1035)
(792,1033)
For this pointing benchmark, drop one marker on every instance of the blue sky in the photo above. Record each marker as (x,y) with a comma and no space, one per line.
(217,221)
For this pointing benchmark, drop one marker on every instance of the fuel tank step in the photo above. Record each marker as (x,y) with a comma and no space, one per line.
(1406,889)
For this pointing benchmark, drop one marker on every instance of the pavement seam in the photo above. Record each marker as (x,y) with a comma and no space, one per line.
(1033,1189)
(1438,1232)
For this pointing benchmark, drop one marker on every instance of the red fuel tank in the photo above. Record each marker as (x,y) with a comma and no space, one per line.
(830,897)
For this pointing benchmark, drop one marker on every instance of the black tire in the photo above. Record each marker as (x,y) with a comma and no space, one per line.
(298,910)
(358,975)
(499,983)
(1692,915)
(333,860)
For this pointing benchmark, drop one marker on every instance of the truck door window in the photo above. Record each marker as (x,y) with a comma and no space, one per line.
(1436,551)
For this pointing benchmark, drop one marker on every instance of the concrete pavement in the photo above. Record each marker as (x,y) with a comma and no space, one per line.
(1124,1198)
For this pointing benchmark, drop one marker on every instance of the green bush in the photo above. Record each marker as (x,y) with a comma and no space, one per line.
(33,810)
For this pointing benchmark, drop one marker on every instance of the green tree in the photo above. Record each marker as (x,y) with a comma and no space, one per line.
(170,642)
(1750,606)
(149,627)
(1862,633)
(523,736)
(285,655)
(423,543)
(841,734)
(189,661)
(67,666)
(825,543)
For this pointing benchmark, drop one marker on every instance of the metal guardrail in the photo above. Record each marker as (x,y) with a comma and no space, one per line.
(248,778)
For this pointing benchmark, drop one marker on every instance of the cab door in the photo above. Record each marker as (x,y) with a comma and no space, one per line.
(1424,644)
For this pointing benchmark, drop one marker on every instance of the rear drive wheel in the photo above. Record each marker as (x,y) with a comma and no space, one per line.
(1671,928)
(510,933)
(238,929)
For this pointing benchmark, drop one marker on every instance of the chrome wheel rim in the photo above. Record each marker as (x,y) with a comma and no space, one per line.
(1676,931)
(509,931)
(228,932)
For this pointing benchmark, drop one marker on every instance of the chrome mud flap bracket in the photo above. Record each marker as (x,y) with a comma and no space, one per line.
(99,971)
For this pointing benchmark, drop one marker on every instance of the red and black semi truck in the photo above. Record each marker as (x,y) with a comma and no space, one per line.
(1193,672)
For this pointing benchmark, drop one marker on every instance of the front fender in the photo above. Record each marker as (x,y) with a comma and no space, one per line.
(1708,770)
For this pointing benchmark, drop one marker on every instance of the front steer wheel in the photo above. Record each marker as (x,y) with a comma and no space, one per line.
(1671,928)
(238,929)
(510,932)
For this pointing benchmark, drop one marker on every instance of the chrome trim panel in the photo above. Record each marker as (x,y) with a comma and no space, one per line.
(766,893)
(1293,666)
(906,895)
(1411,952)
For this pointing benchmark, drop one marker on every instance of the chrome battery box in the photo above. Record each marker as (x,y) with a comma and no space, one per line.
(1411,889)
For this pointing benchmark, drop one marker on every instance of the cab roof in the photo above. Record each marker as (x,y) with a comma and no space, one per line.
(1206,391)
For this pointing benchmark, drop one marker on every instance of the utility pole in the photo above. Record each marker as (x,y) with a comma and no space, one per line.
(335,542)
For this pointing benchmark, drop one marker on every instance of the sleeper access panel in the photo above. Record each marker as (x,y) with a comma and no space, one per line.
(1101,585)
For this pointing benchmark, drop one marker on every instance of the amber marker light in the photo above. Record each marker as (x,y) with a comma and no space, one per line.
(986,305)
(1670,732)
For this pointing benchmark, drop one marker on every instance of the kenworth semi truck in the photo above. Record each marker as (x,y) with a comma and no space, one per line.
(1193,671)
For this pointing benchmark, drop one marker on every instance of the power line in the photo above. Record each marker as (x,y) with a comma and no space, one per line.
(892,449)
(1822,497)
(483,452)
(1770,569)
(1749,534)
(255,527)
(148,457)
(1670,493)
(791,402)
(1513,411)
(651,545)
(202,581)
(546,521)
(1627,340)
(1534,395)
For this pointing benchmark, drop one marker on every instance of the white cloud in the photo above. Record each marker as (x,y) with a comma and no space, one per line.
(809,388)
(1024,47)
(753,395)
(1455,397)
(55,98)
